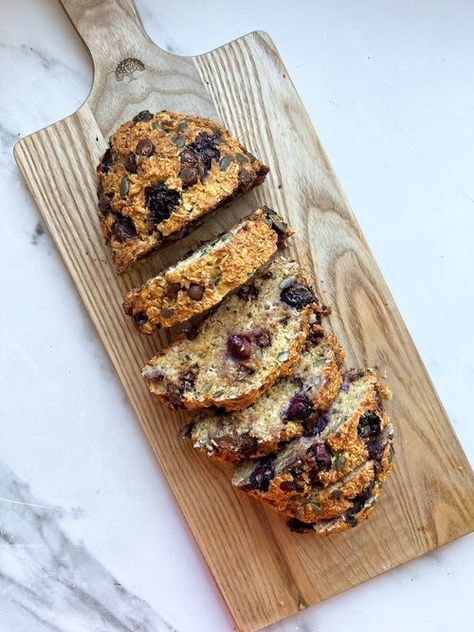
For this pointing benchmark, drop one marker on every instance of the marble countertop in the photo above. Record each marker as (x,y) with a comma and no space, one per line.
(91,539)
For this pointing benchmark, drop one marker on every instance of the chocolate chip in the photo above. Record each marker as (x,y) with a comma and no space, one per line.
(297,526)
(297,295)
(262,338)
(145,148)
(131,163)
(171,291)
(161,201)
(123,228)
(105,202)
(196,291)
(107,160)
(248,292)
(140,318)
(189,176)
(245,180)
(144,115)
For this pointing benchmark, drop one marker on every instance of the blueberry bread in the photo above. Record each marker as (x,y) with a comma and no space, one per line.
(200,281)
(254,337)
(281,413)
(350,432)
(161,174)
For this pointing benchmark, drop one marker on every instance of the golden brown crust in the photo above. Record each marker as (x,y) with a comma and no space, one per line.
(200,282)
(260,429)
(203,372)
(162,174)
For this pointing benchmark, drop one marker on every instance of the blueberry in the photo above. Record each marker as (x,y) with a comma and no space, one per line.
(300,407)
(205,147)
(261,475)
(369,426)
(321,455)
(297,295)
(239,346)
(375,448)
(161,201)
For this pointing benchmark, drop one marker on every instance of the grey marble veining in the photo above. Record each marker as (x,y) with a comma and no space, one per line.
(48,582)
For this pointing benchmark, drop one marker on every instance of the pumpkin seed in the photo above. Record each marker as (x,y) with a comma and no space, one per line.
(339,461)
(124,186)
(283,356)
(166,313)
(370,501)
(182,126)
(240,158)
(233,396)
(315,508)
(224,162)
(284,283)
(179,141)
(157,125)
(258,353)
(217,393)
(205,388)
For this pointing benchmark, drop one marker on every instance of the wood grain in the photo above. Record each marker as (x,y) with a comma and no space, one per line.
(264,572)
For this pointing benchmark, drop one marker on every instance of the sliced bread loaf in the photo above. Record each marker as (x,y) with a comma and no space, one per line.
(199,282)
(162,174)
(281,413)
(344,437)
(242,348)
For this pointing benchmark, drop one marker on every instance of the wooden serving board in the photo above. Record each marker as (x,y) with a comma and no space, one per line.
(264,572)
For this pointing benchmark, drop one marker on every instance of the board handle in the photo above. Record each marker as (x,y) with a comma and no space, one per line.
(111,29)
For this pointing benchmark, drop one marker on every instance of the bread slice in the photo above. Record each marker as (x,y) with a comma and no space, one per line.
(162,174)
(332,501)
(281,413)
(343,438)
(254,337)
(361,508)
(200,281)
